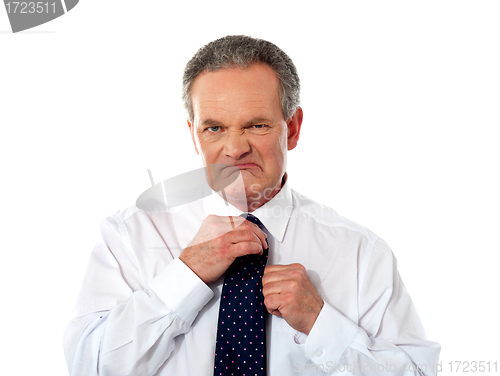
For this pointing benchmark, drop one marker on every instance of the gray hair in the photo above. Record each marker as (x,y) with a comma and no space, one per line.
(240,51)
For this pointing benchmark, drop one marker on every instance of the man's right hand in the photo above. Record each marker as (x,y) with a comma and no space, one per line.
(217,244)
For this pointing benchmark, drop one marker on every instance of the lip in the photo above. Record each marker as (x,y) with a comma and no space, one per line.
(245,165)
(231,169)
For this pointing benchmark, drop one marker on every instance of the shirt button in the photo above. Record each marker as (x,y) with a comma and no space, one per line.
(319,353)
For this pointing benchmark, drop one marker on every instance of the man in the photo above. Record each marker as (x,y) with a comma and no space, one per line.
(155,295)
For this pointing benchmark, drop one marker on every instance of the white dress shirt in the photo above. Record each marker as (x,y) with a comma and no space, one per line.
(142,311)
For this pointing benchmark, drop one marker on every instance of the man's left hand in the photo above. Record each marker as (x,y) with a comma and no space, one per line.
(289,293)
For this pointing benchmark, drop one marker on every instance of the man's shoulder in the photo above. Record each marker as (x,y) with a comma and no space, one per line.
(134,217)
(124,214)
(128,217)
(325,216)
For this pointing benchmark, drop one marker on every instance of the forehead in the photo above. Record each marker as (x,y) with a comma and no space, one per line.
(236,92)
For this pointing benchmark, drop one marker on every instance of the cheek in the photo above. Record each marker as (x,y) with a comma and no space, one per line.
(273,152)
(209,151)
(278,145)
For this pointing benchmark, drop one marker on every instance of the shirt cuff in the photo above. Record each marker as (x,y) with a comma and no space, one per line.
(330,336)
(181,290)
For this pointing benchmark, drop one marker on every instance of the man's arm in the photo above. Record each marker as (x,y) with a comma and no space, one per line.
(120,324)
(388,337)
(118,319)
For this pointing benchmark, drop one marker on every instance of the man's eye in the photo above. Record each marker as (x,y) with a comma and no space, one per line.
(213,129)
(259,126)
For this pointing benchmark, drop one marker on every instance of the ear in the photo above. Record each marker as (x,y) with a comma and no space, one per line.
(191,130)
(293,124)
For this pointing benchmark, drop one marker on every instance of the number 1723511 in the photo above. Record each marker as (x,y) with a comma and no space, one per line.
(31,7)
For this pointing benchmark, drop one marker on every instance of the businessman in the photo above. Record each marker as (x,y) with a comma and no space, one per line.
(255,279)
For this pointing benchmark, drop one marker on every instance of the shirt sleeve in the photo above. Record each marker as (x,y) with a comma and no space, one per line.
(388,337)
(124,330)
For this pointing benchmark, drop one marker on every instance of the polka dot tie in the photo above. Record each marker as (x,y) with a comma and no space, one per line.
(241,334)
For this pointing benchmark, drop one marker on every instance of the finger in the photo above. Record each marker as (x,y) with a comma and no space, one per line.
(258,231)
(262,237)
(268,278)
(272,303)
(287,275)
(235,221)
(280,268)
(242,235)
(245,248)
(283,288)
(275,312)
(270,288)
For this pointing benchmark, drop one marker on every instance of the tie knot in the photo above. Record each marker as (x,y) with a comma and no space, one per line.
(252,218)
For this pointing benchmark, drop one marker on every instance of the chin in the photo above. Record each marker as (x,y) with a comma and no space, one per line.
(236,193)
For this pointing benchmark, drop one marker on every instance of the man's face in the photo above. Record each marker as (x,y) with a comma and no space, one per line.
(238,121)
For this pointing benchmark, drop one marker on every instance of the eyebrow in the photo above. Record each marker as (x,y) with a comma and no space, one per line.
(211,123)
(215,123)
(257,120)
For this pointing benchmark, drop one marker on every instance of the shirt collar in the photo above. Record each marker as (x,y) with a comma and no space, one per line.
(274,214)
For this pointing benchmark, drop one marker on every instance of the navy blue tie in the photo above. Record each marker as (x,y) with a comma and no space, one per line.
(241,333)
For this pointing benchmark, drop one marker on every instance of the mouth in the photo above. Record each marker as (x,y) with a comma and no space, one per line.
(245,166)
(222,175)
(228,171)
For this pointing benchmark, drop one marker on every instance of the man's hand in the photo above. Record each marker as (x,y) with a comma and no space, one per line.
(217,244)
(289,293)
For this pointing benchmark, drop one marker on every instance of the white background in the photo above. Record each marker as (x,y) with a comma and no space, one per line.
(401,102)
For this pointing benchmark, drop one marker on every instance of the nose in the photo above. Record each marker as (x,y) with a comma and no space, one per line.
(236,145)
